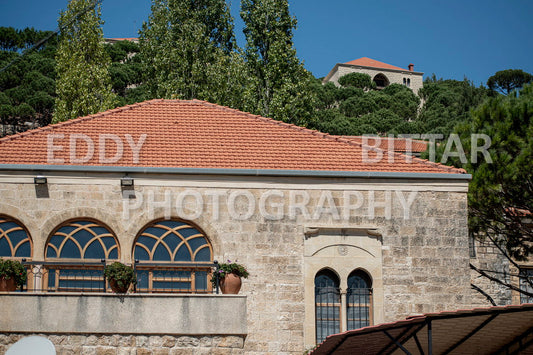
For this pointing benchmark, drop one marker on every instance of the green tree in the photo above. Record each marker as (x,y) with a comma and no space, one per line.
(500,198)
(280,86)
(447,103)
(83,83)
(508,80)
(188,51)
(501,191)
(357,80)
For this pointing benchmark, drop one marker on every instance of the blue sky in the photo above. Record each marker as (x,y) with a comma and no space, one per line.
(452,38)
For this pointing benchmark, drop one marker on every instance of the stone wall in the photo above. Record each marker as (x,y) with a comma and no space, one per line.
(424,247)
(488,257)
(108,313)
(394,76)
(95,344)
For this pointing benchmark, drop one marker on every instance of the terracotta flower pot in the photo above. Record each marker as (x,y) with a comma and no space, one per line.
(231,284)
(116,288)
(7,285)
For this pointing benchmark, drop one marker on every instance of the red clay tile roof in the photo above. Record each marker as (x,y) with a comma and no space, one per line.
(399,145)
(197,134)
(368,62)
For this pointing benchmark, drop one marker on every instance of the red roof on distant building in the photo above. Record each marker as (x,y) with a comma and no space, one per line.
(368,62)
(197,134)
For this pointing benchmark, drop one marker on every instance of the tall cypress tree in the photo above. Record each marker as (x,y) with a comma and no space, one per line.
(83,86)
(280,85)
(189,51)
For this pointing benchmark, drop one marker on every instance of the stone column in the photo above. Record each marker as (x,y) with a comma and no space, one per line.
(344,320)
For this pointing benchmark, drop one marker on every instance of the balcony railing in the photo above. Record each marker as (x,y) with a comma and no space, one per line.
(151,278)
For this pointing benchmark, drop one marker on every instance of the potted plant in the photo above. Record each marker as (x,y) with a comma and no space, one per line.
(229,275)
(120,277)
(12,275)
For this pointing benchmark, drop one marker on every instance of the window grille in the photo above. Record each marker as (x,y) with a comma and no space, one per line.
(327,304)
(526,284)
(358,300)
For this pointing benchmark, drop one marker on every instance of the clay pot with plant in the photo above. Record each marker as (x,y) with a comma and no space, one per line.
(229,275)
(12,275)
(120,277)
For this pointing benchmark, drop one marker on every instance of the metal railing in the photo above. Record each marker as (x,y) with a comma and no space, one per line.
(46,276)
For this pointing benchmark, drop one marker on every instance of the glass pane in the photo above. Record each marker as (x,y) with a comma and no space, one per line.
(201,280)
(170,285)
(142,279)
(203,255)
(70,250)
(5,249)
(149,242)
(82,236)
(183,254)
(95,251)
(141,254)
(172,241)
(327,304)
(196,243)
(161,253)
(358,307)
(24,250)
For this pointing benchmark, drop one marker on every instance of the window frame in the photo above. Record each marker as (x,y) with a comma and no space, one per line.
(151,266)
(68,264)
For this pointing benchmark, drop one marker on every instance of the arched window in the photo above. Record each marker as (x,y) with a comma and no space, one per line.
(381,81)
(15,240)
(327,304)
(79,250)
(359,300)
(172,256)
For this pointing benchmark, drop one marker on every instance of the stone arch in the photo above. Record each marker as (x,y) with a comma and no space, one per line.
(56,240)
(95,214)
(381,81)
(141,221)
(183,224)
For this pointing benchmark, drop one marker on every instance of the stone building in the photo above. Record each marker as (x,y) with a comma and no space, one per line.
(335,235)
(382,74)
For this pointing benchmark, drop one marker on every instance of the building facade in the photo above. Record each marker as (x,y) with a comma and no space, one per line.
(382,74)
(335,236)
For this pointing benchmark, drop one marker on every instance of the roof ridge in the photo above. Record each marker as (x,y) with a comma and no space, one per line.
(54,126)
(315,132)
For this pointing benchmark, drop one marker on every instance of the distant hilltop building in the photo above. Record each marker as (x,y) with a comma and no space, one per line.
(115,40)
(383,74)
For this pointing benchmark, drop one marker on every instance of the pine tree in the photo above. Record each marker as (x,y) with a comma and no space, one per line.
(280,86)
(189,51)
(83,84)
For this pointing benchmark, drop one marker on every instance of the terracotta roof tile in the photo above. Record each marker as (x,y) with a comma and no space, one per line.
(197,134)
(368,62)
(399,145)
